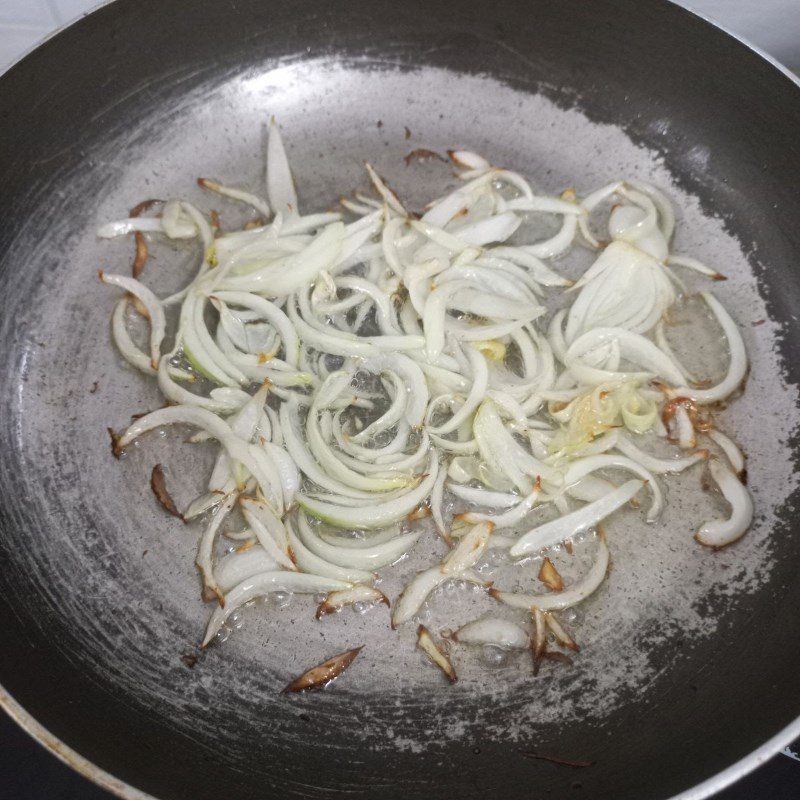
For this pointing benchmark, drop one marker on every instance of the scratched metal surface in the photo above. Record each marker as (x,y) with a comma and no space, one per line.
(96,626)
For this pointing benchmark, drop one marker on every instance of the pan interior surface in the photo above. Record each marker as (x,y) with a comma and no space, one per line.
(95,568)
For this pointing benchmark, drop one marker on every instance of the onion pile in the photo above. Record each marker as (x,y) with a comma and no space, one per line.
(363,368)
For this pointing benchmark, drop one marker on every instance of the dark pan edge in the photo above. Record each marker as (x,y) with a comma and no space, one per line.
(66,754)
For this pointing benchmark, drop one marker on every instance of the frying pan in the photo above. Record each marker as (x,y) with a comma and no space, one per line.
(97,594)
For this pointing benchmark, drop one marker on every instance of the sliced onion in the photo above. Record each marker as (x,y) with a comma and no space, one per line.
(730,448)
(480,383)
(280,186)
(269,530)
(511,517)
(248,198)
(264,583)
(718,533)
(493,631)
(586,466)
(335,601)
(437,502)
(155,310)
(368,558)
(484,497)
(205,551)
(126,346)
(302,457)
(378,515)
(309,561)
(560,600)
(737,367)
(567,526)
(238,566)
(469,551)
(385,192)
(417,591)
(632,346)
(426,643)
(438,314)
(658,466)
(236,448)
(270,312)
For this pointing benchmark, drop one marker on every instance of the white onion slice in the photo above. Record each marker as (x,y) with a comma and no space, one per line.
(417,591)
(730,448)
(287,471)
(236,448)
(437,502)
(369,558)
(737,367)
(378,515)
(585,466)
(558,601)
(126,346)
(718,533)
(480,383)
(264,583)
(658,466)
(494,631)
(309,561)
(205,550)
(569,525)
(335,601)
(269,530)
(280,186)
(239,566)
(273,315)
(258,203)
(385,192)
(469,551)
(302,457)
(152,305)
(361,541)
(632,346)
(484,497)
(675,260)
(435,653)
(511,517)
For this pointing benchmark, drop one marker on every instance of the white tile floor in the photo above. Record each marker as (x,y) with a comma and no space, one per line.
(773,25)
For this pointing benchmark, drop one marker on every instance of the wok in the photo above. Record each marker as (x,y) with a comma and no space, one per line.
(97,593)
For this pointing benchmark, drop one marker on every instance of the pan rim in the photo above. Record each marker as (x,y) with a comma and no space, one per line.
(122,789)
(64,753)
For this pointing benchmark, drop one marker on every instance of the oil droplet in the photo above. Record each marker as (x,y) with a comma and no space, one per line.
(494,656)
(571,615)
